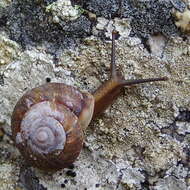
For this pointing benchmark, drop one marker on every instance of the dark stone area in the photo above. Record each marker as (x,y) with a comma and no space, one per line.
(186,161)
(1,80)
(153,17)
(29,25)
(184,115)
(148,17)
(71,167)
(48,79)
(178,4)
(71,173)
(108,9)
(29,180)
(172,129)
(5,153)
(49,1)
(101,7)
(3,20)
(63,185)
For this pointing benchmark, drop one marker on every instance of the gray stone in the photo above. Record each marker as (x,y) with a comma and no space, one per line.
(142,140)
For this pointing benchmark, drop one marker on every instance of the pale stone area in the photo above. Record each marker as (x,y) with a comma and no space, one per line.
(63,10)
(125,148)
(9,50)
(183,20)
(8,176)
(4,3)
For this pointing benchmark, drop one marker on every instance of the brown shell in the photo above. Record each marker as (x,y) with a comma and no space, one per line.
(59,94)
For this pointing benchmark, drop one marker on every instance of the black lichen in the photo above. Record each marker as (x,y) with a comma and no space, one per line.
(71,173)
(147,17)
(30,25)
(29,180)
(184,115)
(153,17)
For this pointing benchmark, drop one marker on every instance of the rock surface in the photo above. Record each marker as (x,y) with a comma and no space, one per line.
(142,140)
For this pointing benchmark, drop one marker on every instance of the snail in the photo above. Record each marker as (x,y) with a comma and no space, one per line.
(48,121)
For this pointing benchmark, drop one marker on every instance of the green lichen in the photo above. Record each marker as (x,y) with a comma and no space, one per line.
(183,20)
(9,50)
(63,10)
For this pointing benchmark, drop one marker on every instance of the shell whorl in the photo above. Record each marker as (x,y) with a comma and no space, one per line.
(42,130)
(46,126)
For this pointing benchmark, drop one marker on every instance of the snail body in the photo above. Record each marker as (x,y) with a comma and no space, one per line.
(48,121)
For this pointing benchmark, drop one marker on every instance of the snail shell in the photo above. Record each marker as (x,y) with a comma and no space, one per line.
(48,122)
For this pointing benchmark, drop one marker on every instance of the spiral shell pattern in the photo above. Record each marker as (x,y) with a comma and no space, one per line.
(42,132)
(46,126)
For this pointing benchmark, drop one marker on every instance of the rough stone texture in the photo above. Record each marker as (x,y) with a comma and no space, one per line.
(183,20)
(63,10)
(148,17)
(30,24)
(142,140)
(9,50)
